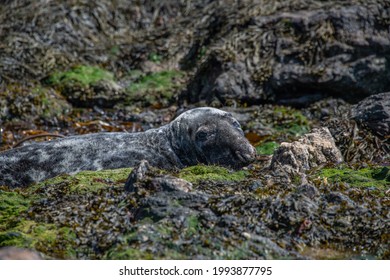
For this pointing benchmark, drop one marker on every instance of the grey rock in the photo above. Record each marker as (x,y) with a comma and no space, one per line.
(137,174)
(312,150)
(308,190)
(143,172)
(374,113)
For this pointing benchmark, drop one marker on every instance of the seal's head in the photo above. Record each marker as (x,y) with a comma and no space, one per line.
(210,136)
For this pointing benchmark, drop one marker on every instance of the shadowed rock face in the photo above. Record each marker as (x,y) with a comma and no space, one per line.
(374,113)
(202,135)
(299,57)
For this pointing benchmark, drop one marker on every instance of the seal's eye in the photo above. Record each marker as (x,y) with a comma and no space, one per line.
(201,135)
(236,125)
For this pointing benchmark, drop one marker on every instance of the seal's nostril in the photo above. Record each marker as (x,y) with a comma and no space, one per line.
(246,157)
(240,156)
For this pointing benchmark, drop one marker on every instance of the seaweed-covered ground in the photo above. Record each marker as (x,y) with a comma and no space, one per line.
(281,68)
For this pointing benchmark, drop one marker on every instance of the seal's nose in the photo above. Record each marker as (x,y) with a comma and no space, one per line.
(252,153)
(247,156)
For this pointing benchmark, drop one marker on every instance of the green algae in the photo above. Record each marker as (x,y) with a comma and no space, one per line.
(16,229)
(267,148)
(155,87)
(83,75)
(210,172)
(193,226)
(19,226)
(89,181)
(12,204)
(378,177)
(45,237)
(290,121)
(127,253)
(155,57)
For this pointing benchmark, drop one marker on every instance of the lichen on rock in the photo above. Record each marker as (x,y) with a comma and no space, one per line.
(312,150)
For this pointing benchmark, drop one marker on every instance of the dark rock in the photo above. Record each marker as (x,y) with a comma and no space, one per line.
(339,198)
(221,81)
(382,174)
(357,144)
(300,57)
(78,33)
(374,113)
(308,190)
(148,177)
(103,94)
(328,108)
(136,175)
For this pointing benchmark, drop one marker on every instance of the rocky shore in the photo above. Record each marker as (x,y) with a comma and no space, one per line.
(307,80)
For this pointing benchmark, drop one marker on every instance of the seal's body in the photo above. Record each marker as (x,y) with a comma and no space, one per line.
(201,135)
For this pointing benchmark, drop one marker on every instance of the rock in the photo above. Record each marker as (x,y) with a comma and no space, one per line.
(220,81)
(299,57)
(148,177)
(328,108)
(358,144)
(104,94)
(31,102)
(308,190)
(13,253)
(374,113)
(339,198)
(310,151)
(136,175)
(82,35)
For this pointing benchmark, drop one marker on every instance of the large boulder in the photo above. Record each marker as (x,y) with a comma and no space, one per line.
(374,113)
(220,81)
(302,56)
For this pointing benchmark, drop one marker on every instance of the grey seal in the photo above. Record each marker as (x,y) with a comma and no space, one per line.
(201,135)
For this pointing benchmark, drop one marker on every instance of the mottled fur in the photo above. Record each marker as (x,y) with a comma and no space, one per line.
(202,135)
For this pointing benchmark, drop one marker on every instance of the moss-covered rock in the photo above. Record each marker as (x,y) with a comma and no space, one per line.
(81,75)
(290,121)
(88,86)
(32,103)
(157,89)
(88,181)
(375,177)
(212,173)
(22,226)
(17,229)
(228,215)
